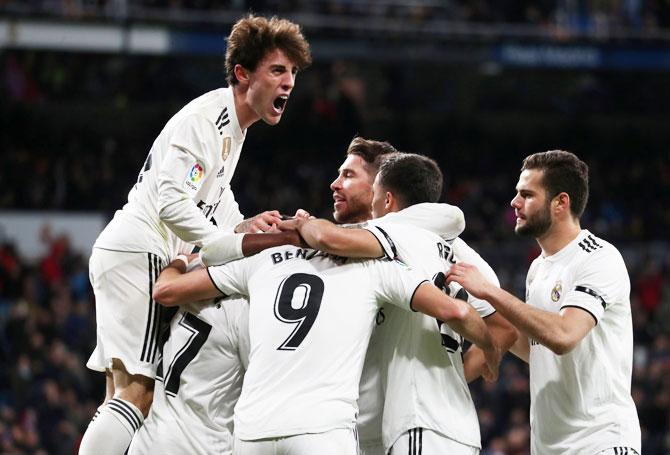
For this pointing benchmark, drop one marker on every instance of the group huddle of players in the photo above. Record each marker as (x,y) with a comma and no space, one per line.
(295,335)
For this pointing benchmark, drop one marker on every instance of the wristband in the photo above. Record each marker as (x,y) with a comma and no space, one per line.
(195,264)
(182,258)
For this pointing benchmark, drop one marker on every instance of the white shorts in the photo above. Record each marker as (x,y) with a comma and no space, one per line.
(127,318)
(371,448)
(341,441)
(421,441)
(618,451)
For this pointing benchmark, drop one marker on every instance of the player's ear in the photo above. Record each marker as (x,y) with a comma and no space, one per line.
(562,202)
(389,200)
(241,73)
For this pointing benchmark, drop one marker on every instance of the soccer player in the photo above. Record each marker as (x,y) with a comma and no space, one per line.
(352,195)
(427,402)
(576,328)
(198,381)
(184,180)
(310,318)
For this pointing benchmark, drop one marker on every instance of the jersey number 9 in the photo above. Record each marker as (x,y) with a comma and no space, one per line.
(298,302)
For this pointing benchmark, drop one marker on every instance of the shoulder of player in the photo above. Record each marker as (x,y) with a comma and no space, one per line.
(601,261)
(211,108)
(462,250)
(290,253)
(401,231)
(595,249)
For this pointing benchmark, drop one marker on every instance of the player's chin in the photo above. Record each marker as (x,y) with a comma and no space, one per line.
(339,215)
(272,119)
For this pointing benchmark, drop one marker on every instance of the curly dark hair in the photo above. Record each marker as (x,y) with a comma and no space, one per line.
(252,37)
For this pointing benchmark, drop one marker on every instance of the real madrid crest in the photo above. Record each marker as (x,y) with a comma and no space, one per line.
(556,292)
(225,151)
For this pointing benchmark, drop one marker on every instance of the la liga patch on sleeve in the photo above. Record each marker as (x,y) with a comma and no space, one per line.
(194,177)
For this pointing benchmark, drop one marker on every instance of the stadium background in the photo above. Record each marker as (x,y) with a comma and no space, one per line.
(86,85)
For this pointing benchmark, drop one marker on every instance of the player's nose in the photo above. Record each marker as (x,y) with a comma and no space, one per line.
(515,202)
(288,81)
(336,184)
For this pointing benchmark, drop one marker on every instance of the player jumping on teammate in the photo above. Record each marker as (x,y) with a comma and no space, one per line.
(184,181)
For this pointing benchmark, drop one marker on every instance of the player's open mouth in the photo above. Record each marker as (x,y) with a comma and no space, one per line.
(280,103)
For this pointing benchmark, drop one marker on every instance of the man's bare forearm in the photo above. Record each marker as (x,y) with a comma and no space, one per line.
(325,236)
(255,243)
(473,328)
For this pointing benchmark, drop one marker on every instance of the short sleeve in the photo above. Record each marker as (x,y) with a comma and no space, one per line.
(396,282)
(385,232)
(233,278)
(601,281)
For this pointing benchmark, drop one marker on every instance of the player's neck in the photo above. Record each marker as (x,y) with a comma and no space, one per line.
(558,236)
(246,116)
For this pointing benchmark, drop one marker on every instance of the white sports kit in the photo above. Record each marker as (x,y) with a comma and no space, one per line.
(421,358)
(447,221)
(310,316)
(185,178)
(199,381)
(581,401)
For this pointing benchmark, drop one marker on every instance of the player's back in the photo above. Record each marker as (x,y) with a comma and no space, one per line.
(200,381)
(421,360)
(311,316)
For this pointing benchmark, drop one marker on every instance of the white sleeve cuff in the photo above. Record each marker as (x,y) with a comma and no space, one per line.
(221,248)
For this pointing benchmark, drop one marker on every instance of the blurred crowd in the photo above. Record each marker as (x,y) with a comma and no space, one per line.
(47,331)
(85,155)
(77,127)
(47,328)
(577,16)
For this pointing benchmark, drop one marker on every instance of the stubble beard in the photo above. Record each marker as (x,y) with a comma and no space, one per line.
(357,213)
(537,225)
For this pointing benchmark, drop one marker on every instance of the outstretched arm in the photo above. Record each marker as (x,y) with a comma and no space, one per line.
(255,243)
(560,332)
(175,287)
(224,249)
(325,236)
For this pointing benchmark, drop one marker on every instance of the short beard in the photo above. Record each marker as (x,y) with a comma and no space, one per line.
(357,215)
(537,225)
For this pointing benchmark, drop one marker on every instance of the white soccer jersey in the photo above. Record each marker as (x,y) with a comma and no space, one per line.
(183,179)
(421,357)
(581,401)
(310,321)
(444,220)
(226,217)
(203,364)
